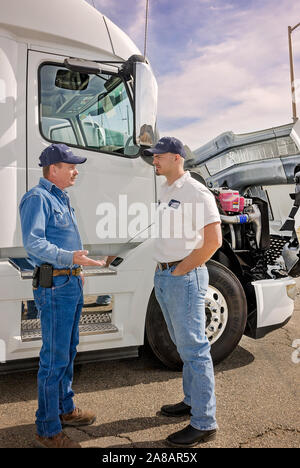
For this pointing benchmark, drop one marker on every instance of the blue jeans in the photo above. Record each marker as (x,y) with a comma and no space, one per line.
(182,301)
(60,309)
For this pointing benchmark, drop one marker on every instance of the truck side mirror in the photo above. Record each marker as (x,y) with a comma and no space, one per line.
(145,100)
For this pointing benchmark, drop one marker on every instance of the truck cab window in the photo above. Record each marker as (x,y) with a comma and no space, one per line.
(87,111)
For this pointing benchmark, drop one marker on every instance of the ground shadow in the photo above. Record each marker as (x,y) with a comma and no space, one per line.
(24,435)
(106,375)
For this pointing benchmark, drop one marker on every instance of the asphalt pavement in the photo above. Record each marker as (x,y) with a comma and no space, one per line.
(257,390)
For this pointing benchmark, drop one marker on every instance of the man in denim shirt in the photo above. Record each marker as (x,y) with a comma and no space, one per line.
(50,235)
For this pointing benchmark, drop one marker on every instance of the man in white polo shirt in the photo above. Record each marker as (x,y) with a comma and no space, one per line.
(188,235)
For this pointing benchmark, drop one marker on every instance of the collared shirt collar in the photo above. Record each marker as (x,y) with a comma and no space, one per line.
(49,185)
(178,182)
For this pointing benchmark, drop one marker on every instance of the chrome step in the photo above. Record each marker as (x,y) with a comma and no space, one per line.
(90,324)
(26,269)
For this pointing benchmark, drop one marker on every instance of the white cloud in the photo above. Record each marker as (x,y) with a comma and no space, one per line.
(137,29)
(221,7)
(241,84)
(128,14)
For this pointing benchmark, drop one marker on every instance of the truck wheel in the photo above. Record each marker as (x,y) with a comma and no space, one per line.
(226,316)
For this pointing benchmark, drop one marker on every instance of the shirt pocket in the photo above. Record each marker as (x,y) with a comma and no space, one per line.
(61,219)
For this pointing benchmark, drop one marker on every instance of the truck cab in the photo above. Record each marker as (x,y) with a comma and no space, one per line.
(81,81)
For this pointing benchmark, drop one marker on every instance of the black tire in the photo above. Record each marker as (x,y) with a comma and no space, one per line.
(221,280)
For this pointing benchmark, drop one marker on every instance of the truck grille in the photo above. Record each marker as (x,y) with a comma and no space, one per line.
(276,246)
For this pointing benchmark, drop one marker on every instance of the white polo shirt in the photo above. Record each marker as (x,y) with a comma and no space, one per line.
(184,208)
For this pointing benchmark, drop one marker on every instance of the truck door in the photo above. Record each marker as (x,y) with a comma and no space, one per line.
(93,115)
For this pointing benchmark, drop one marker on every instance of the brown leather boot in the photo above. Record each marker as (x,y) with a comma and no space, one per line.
(60,440)
(78,417)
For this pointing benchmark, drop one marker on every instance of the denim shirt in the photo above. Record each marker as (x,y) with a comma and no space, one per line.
(49,226)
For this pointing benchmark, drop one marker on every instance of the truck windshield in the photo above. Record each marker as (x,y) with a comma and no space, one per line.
(97,115)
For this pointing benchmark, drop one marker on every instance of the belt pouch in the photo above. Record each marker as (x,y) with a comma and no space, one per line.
(46,275)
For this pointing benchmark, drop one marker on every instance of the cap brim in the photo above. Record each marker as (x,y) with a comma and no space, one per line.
(72,160)
(75,160)
(151,151)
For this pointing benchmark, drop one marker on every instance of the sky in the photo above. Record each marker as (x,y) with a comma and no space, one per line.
(220,65)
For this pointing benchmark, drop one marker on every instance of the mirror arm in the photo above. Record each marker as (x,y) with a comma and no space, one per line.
(91,67)
(82,66)
(127,68)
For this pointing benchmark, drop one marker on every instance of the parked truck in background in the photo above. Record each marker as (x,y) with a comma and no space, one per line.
(68,74)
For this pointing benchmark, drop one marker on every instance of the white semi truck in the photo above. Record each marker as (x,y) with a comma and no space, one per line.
(68,74)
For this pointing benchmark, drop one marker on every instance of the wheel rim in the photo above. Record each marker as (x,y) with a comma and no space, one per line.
(216,310)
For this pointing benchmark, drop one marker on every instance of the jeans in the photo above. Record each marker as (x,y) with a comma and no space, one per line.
(60,309)
(182,301)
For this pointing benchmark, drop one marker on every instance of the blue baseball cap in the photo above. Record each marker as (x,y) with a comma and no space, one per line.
(58,152)
(167,145)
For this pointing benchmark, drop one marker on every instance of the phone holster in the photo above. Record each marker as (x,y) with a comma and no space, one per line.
(46,275)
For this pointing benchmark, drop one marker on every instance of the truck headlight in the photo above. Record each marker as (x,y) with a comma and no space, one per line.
(291,291)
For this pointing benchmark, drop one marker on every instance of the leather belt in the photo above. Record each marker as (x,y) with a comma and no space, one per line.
(165,266)
(74,272)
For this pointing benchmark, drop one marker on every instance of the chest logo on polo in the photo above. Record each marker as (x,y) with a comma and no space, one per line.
(174,204)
